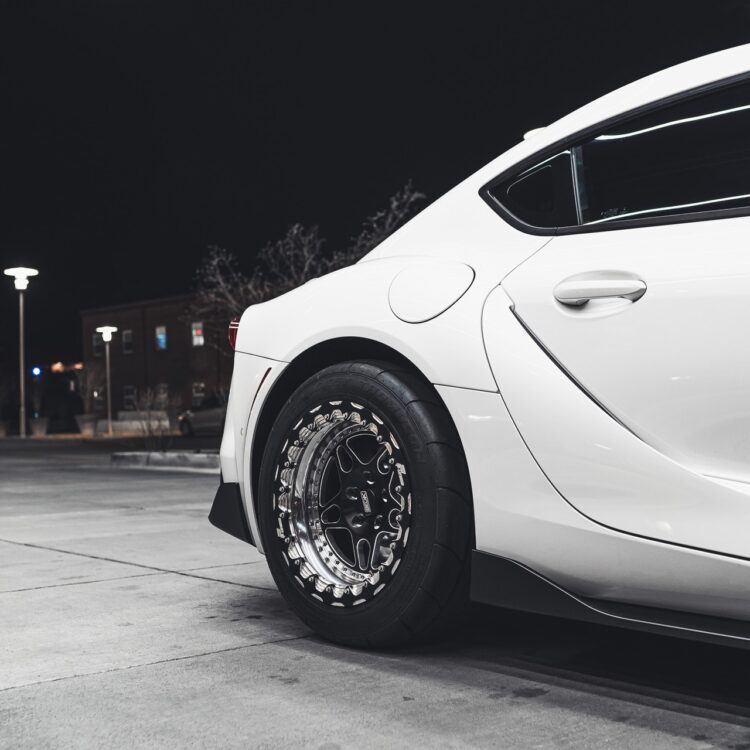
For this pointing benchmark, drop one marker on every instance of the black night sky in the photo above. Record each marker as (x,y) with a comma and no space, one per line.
(134,134)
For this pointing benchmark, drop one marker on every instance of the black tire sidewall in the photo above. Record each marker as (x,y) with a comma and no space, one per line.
(359,623)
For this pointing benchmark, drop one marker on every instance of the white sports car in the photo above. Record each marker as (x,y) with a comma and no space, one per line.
(536,394)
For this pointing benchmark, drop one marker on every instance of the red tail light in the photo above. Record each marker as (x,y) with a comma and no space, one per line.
(234,326)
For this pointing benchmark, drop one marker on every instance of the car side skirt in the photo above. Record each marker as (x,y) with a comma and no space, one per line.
(501,582)
(228,512)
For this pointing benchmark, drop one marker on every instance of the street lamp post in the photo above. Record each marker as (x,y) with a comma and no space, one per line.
(106,332)
(21,281)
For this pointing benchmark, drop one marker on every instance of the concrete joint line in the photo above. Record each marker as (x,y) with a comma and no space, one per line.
(155,663)
(81,583)
(137,565)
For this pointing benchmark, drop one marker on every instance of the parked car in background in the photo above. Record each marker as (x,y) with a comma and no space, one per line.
(205,419)
(535,394)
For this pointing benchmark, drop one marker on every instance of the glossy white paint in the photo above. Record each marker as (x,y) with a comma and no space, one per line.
(559,484)
(287,326)
(420,292)
(252,380)
(520,515)
(672,366)
(597,465)
(448,348)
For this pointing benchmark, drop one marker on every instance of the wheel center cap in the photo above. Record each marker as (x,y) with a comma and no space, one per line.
(361,496)
(364,498)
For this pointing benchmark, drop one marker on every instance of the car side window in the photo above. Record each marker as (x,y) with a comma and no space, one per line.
(542,195)
(685,158)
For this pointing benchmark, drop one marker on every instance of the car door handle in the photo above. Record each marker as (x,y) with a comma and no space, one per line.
(578,290)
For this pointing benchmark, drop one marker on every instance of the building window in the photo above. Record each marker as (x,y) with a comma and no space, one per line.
(198,394)
(127,341)
(97,344)
(129,397)
(161,396)
(99,398)
(197,331)
(160,333)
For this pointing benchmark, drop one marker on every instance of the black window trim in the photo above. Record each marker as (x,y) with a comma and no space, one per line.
(572,140)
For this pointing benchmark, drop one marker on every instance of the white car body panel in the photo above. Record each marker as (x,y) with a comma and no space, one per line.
(602,469)
(285,327)
(654,513)
(520,515)
(419,293)
(654,363)
(246,398)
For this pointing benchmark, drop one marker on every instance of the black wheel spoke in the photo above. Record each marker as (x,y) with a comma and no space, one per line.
(382,461)
(342,523)
(342,541)
(330,487)
(393,494)
(393,522)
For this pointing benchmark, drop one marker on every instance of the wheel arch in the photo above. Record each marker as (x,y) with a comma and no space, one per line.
(307,363)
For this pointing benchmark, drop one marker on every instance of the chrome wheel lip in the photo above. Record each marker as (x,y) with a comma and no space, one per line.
(316,562)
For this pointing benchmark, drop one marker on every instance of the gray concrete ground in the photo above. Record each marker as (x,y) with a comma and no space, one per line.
(127,620)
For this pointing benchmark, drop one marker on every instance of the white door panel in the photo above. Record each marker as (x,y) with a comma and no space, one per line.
(674,365)
(520,515)
(598,466)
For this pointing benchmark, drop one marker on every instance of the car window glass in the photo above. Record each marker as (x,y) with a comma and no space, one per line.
(689,157)
(542,195)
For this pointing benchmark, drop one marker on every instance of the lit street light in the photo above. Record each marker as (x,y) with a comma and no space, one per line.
(21,278)
(106,332)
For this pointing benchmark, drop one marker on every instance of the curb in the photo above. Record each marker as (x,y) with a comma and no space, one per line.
(164,460)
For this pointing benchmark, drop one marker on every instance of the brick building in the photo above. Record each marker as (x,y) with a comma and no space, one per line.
(157,346)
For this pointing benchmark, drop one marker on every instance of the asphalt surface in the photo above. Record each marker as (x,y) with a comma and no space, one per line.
(127,620)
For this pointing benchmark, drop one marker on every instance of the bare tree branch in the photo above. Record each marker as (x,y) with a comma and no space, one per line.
(294,259)
(223,291)
(384,223)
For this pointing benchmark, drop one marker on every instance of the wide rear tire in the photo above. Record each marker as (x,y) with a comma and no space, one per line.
(365,506)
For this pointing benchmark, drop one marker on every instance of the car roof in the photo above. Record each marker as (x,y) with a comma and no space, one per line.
(695,73)
(689,75)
